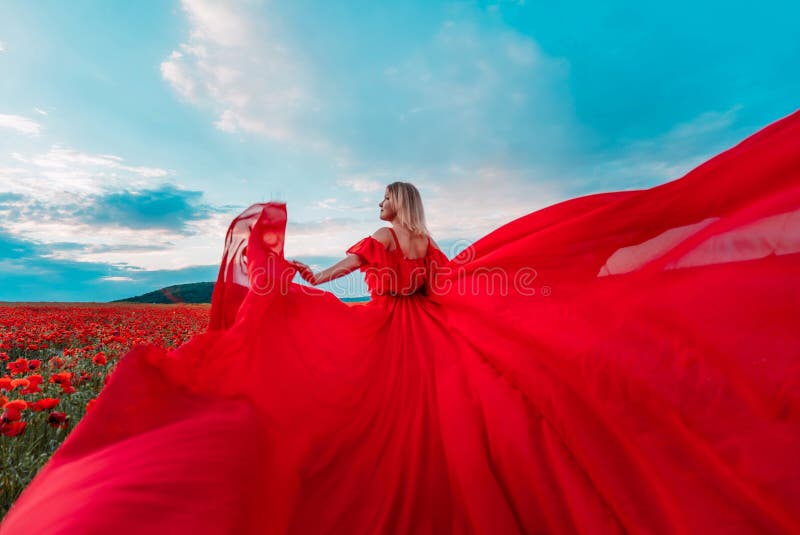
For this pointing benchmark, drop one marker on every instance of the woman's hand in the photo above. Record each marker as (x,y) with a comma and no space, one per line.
(342,267)
(305,271)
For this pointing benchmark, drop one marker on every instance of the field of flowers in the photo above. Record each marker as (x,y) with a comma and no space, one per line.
(55,359)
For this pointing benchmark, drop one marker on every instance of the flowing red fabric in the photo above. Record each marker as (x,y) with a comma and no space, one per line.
(619,362)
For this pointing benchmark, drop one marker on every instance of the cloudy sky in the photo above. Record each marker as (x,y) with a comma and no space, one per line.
(132,132)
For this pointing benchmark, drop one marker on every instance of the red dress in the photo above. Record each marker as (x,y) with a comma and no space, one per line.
(619,362)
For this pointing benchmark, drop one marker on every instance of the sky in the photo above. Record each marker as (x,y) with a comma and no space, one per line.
(131,133)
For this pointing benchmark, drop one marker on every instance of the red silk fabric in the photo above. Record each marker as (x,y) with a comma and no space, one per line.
(619,362)
(389,273)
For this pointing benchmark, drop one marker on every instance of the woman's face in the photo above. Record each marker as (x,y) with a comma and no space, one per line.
(387,207)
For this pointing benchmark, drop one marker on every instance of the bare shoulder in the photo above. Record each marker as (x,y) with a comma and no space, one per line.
(383,235)
(433,242)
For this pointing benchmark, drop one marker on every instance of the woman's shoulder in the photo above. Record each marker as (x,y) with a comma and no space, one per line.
(374,249)
(383,235)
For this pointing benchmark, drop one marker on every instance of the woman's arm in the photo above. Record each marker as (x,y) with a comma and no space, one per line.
(341,268)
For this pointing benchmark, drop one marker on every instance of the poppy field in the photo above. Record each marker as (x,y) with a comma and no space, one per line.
(55,360)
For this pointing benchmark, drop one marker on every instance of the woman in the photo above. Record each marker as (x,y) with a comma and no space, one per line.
(618,362)
(402,207)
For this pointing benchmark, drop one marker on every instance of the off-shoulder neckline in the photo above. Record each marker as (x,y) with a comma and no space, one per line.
(393,251)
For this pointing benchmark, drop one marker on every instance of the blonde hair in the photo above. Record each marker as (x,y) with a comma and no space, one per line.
(408,204)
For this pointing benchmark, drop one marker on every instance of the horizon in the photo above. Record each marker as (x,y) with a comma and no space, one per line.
(131,134)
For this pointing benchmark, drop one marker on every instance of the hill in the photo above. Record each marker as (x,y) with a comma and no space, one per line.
(195,292)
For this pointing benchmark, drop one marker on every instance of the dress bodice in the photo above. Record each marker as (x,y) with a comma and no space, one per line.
(389,272)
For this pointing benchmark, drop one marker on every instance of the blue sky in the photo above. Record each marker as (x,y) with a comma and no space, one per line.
(132,132)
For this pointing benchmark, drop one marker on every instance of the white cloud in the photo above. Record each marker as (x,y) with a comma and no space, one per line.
(168,250)
(66,158)
(521,51)
(467,203)
(481,99)
(219,23)
(361,184)
(62,173)
(231,121)
(648,162)
(173,73)
(480,89)
(50,189)
(53,225)
(325,203)
(21,124)
(116,279)
(2,47)
(40,111)
(237,66)
(706,123)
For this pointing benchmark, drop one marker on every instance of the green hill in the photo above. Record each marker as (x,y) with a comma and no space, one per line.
(195,292)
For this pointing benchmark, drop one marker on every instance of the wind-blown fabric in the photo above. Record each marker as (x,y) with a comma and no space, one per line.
(623,362)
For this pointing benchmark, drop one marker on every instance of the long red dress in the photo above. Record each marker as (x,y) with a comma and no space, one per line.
(618,362)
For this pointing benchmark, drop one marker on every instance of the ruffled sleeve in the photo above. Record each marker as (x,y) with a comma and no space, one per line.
(371,250)
(436,269)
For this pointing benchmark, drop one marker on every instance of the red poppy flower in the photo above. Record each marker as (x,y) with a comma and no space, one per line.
(18,366)
(13,429)
(84,376)
(45,404)
(100,358)
(91,403)
(24,383)
(10,415)
(61,377)
(18,404)
(58,419)
(35,379)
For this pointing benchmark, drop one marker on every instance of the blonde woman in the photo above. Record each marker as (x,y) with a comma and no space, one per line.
(407,238)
